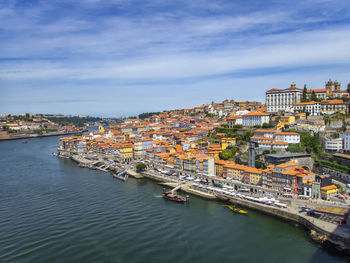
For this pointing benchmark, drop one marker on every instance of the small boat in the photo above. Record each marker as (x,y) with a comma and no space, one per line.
(236,210)
(174,197)
(25,142)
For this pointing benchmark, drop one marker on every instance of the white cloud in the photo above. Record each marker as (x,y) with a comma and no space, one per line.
(160,47)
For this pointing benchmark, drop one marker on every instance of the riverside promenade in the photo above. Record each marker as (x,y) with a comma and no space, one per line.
(323,232)
(30,136)
(320,231)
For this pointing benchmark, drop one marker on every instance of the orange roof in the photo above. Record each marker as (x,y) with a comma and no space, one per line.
(256,114)
(280,143)
(333,101)
(329,187)
(316,90)
(253,170)
(219,161)
(287,133)
(233,117)
(273,90)
(261,138)
(291,88)
(306,103)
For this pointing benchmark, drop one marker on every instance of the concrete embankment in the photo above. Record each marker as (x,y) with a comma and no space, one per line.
(38,136)
(320,231)
(323,232)
(134,174)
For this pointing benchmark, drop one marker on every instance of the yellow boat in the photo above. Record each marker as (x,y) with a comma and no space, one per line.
(236,210)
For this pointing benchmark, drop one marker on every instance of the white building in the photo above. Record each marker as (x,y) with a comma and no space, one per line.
(346,146)
(334,145)
(234,120)
(265,133)
(312,107)
(282,99)
(209,166)
(288,137)
(255,118)
(279,145)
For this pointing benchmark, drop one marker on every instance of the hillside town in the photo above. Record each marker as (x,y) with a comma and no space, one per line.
(295,144)
(30,125)
(288,157)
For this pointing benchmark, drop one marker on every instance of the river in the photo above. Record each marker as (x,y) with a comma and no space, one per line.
(53,211)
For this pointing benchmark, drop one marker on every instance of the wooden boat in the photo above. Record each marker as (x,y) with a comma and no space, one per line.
(174,197)
(236,210)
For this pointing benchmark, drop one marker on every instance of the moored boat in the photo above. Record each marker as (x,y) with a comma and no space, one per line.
(174,197)
(236,210)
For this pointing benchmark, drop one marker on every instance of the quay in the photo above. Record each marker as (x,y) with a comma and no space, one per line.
(323,232)
(40,135)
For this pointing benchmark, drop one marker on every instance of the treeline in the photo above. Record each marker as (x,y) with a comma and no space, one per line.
(147,115)
(77,121)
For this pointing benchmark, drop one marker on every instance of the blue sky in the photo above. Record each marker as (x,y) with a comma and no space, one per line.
(118,58)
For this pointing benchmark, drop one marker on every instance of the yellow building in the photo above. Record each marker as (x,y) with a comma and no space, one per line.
(126,152)
(285,120)
(227,142)
(328,191)
(255,177)
(219,166)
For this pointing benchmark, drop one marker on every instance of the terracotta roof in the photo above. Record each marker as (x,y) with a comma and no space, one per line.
(316,90)
(233,117)
(287,133)
(293,88)
(261,138)
(306,103)
(333,101)
(329,187)
(280,143)
(256,114)
(273,90)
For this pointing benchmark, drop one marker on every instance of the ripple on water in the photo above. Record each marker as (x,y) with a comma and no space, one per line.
(53,211)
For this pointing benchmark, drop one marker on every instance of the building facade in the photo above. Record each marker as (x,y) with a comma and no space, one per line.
(255,118)
(282,99)
(312,107)
(346,145)
(333,106)
(334,145)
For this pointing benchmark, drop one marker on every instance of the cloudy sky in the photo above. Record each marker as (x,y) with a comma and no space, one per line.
(118,58)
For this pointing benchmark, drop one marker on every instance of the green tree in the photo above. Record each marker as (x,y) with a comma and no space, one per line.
(311,143)
(141,167)
(294,148)
(247,136)
(313,96)
(266,125)
(260,165)
(225,155)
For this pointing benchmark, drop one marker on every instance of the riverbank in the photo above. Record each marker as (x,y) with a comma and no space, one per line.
(325,233)
(40,135)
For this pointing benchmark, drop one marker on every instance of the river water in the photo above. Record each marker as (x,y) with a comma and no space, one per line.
(53,211)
